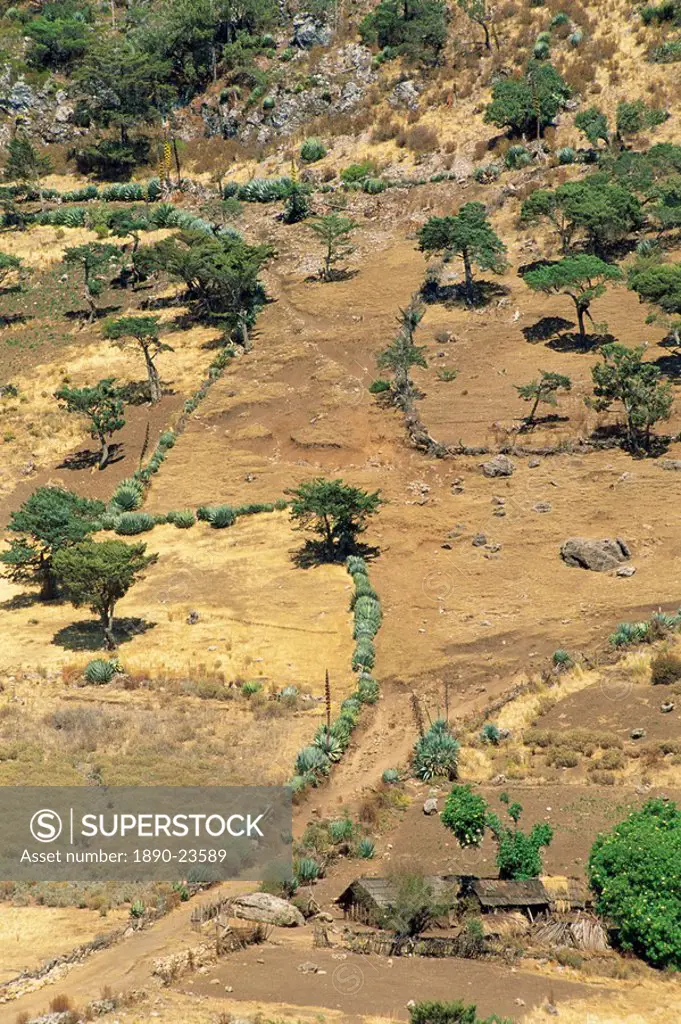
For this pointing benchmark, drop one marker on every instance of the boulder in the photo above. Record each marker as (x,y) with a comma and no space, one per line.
(308,32)
(500,465)
(260,906)
(430,806)
(597,555)
(405,94)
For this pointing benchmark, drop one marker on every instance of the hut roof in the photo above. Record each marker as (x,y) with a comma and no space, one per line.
(382,892)
(493,892)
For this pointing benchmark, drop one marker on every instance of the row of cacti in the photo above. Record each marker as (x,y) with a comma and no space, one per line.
(658,626)
(259,190)
(164,215)
(121,192)
(313,763)
(125,517)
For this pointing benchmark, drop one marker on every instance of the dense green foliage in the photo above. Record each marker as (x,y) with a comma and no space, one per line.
(144,332)
(544,389)
(415,905)
(436,752)
(449,1013)
(529,104)
(604,211)
(333,230)
(402,354)
(414,29)
(465,815)
(103,407)
(583,278)
(51,519)
(635,872)
(468,235)
(624,377)
(593,123)
(337,512)
(97,261)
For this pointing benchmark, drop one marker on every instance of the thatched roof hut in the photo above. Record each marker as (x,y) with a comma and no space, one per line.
(368,899)
(498,894)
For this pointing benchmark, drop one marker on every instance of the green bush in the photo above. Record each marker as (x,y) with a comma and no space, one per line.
(635,872)
(490,734)
(264,190)
(373,186)
(453,1013)
(367,690)
(98,671)
(251,687)
(517,157)
(356,174)
(312,150)
(306,870)
(340,831)
(167,439)
(364,655)
(312,761)
(665,668)
(218,516)
(128,496)
(379,386)
(354,564)
(366,848)
(566,155)
(129,524)
(182,519)
(391,776)
(465,814)
(562,658)
(436,753)
(328,744)
(668,52)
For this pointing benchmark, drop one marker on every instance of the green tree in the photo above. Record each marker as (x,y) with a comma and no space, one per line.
(144,332)
(624,377)
(59,35)
(337,512)
(413,29)
(482,13)
(543,390)
(529,104)
(26,165)
(98,574)
(103,407)
(633,117)
(467,816)
(402,353)
(450,1013)
(584,278)
(297,204)
(221,274)
(605,211)
(415,905)
(660,284)
(593,123)
(635,873)
(333,230)
(96,260)
(51,519)
(128,224)
(469,236)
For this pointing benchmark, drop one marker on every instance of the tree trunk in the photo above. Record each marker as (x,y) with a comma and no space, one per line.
(580,317)
(104,453)
(488,45)
(91,303)
(533,411)
(245,336)
(152,376)
(107,617)
(470,291)
(328,537)
(327,264)
(48,585)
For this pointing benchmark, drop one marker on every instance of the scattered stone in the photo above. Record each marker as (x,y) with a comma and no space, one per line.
(543,506)
(479,540)
(499,512)
(551,1010)
(637,734)
(430,806)
(261,906)
(228,988)
(626,570)
(500,465)
(671,464)
(498,780)
(249,478)
(597,555)
(493,548)
(496,500)
(411,1004)
(667,707)
(519,1002)
(308,967)
(533,463)
(447,546)
(193,618)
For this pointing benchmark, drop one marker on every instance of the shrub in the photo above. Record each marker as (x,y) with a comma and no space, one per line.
(355,563)
(183,519)
(366,848)
(219,516)
(263,190)
(450,1013)
(665,668)
(566,155)
(306,870)
(312,761)
(363,588)
(611,760)
(98,671)
(251,687)
(667,53)
(486,173)
(373,186)
(563,757)
(367,690)
(312,150)
(357,173)
(391,776)
(167,439)
(379,387)
(436,753)
(626,868)
(465,814)
(131,523)
(517,157)
(340,831)
(490,734)
(561,658)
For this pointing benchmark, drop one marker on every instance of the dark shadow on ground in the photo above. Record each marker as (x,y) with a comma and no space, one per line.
(547,328)
(88,636)
(552,420)
(449,294)
(572,342)
(314,552)
(83,315)
(25,600)
(670,365)
(11,319)
(86,458)
(336,275)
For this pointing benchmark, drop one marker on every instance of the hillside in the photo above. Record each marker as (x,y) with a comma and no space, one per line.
(363,321)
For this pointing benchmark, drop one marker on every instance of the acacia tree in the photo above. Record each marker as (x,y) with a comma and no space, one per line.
(624,377)
(543,390)
(529,104)
(127,224)
(50,520)
(468,816)
(103,407)
(335,511)
(482,13)
(143,331)
(402,353)
(333,231)
(606,211)
(584,278)
(26,165)
(95,259)
(468,235)
(98,574)
(593,123)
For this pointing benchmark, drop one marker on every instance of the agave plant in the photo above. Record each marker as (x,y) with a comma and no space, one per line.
(329,744)
(306,870)
(366,848)
(131,523)
(490,734)
(367,690)
(354,564)
(128,496)
(566,155)
(312,761)
(436,753)
(391,776)
(183,519)
(364,655)
(340,831)
(98,671)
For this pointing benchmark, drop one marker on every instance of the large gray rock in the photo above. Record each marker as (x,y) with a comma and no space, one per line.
(308,32)
(260,906)
(500,465)
(597,555)
(405,94)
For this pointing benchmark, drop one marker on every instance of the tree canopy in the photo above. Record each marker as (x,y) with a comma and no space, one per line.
(468,235)
(337,512)
(414,29)
(660,284)
(102,405)
(544,389)
(625,377)
(333,230)
(97,574)
(144,332)
(584,278)
(593,123)
(96,260)
(529,104)
(604,210)
(635,873)
(51,519)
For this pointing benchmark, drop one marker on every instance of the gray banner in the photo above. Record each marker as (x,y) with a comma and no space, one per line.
(144,833)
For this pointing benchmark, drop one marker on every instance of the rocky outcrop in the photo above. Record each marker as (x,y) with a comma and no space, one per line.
(261,906)
(597,555)
(500,465)
(309,32)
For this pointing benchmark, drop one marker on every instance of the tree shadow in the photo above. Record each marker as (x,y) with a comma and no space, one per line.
(89,636)
(659,444)
(83,315)
(670,366)
(550,420)
(572,342)
(334,277)
(315,552)
(455,294)
(87,459)
(24,600)
(11,319)
(546,329)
